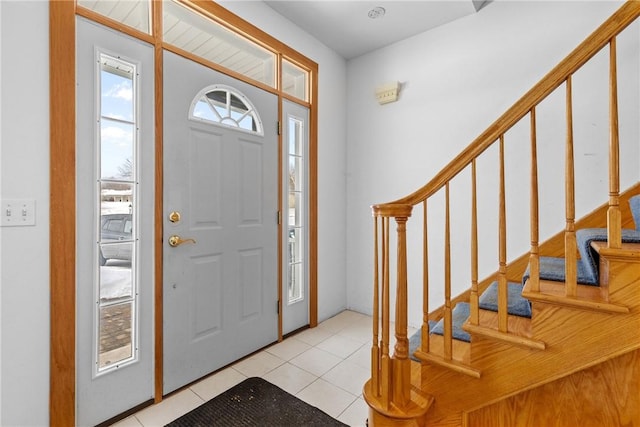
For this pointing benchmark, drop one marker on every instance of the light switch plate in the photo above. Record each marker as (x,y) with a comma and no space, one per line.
(17,212)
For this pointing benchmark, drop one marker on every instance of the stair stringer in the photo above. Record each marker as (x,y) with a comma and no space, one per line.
(607,394)
(576,340)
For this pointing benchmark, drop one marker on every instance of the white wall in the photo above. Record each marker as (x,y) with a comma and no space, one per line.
(456,80)
(332,118)
(24,158)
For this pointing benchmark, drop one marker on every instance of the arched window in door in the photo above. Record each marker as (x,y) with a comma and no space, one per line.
(225,106)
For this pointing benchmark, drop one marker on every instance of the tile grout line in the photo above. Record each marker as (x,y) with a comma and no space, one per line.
(342,332)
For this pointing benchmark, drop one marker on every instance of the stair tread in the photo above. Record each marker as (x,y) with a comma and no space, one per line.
(459,360)
(461,350)
(516,303)
(588,297)
(459,315)
(517,325)
(628,250)
(553,268)
(517,306)
(588,256)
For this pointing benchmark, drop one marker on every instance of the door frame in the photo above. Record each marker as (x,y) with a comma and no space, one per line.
(62,130)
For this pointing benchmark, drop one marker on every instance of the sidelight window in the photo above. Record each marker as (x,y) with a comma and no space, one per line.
(296,210)
(117,233)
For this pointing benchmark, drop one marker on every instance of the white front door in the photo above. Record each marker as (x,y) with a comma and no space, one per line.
(115,223)
(220,208)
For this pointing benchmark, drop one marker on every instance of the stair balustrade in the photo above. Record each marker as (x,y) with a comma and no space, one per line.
(390,393)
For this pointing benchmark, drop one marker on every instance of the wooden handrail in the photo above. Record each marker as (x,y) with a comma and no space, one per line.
(557,76)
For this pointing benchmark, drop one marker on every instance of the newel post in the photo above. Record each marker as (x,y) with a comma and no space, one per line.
(402,365)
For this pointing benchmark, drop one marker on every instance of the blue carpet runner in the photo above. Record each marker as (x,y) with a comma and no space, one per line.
(551,268)
(459,315)
(587,266)
(516,305)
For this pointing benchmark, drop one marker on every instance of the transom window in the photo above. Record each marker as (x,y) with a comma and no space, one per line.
(223,105)
(133,13)
(191,31)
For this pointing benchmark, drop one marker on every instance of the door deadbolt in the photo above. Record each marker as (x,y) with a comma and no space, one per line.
(174,216)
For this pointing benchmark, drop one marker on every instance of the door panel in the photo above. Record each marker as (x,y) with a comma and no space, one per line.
(206,161)
(114,296)
(220,289)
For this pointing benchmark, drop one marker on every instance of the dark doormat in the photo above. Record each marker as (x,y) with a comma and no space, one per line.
(255,402)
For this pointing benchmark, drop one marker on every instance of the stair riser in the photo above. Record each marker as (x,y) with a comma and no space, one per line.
(587,332)
(618,273)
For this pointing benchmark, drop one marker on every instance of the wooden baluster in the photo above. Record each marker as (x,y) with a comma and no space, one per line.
(424,335)
(534,258)
(448,324)
(385,369)
(401,362)
(570,246)
(474,317)
(375,349)
(502,248)
(614,216)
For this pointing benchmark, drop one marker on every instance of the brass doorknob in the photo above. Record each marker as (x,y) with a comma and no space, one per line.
(176,240)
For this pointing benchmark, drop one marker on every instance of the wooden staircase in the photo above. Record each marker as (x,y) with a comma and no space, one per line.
(576,360)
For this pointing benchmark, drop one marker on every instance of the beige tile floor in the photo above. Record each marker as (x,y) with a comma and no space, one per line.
(325,366)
